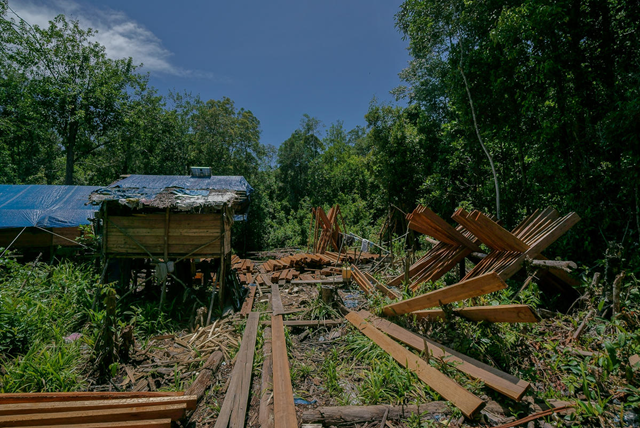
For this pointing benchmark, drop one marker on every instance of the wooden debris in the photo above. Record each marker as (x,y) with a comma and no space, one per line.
(41,397)
(497,313)
(502,382)
(535,416)
(343,415)
(468,403)
(308,323)
(283,406)
(580,329)
(276,301)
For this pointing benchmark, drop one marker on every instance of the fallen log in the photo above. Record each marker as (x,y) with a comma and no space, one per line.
(566,266)
(348,415)
(205,378)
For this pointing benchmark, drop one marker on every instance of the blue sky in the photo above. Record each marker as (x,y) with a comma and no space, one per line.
(279,59)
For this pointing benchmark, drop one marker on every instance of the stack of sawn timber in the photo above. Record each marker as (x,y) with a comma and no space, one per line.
(455,244)
(94,409)
(327,230)
(509,250)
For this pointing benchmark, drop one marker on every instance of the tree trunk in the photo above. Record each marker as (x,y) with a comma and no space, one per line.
(69,147)
(348,415)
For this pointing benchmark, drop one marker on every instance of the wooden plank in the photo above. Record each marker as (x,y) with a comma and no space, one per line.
(504,383)
(473,287)
(234,407)
(276,301)
(497,313)
(283,407)
(76,406)
(170,411)
(468,403)
(248,301)
(29,397)
(153,423)
(265,412)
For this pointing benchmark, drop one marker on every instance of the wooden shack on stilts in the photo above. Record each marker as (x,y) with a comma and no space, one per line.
(173,226)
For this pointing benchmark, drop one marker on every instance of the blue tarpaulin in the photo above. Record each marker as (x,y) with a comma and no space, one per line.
(45,206)
(230,183)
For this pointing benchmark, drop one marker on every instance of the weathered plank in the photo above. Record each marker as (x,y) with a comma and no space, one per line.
(283,406)
(265,413)
(248,301)
(170,411)
(29,397)
(77,406)
(308,323)
(234,407)
(502,382)
(473,287)
(497,313)
(468,403)
(276,301)
(154,423)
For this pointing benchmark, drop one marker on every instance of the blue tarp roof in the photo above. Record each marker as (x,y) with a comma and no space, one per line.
(235,183)
(45,206)
(182,192)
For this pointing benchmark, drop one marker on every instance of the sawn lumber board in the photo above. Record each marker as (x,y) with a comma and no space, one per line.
(502,382)
(468,403)
(283,407)
(496,313)
(473,287)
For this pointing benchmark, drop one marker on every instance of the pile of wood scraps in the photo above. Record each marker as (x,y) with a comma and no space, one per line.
(94,409)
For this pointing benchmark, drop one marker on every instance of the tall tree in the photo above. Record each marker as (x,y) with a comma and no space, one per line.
(80,92)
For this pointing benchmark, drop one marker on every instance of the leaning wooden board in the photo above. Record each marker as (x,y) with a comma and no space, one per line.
(468,403)
(473,287)
(506,384)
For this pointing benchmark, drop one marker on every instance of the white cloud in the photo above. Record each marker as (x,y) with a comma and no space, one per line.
(122,36)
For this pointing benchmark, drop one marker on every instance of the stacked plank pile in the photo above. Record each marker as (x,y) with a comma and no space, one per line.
(508,253)
(297,261)
(326,229)
(455,244)
(241,265)
(351,256)
(94,409)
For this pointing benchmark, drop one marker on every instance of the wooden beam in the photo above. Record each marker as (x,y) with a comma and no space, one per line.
(283,406)
(468,403)
(497,313)
(473,287)
(502,382)
(153,423)
(29,397)
(77,406)
(170,411)
(234,407)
